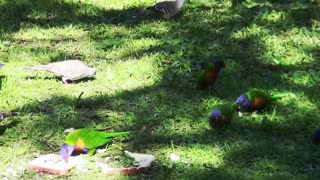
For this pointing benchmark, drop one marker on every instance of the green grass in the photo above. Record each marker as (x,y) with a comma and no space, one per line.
(146,69)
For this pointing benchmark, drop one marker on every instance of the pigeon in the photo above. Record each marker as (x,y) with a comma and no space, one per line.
(67,70)
(166,9)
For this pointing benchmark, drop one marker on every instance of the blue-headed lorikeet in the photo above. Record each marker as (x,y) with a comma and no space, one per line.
(256,100)
(207,77)
(86,140)
(221,114)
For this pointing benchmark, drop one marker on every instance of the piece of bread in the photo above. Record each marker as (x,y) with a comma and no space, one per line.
(142,161)
(51,163)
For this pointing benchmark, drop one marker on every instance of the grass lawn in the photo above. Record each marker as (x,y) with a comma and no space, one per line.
(145,83)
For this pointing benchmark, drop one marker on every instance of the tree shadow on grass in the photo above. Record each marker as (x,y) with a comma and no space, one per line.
(158,117)
(286,147)
(2,78)
(11,124)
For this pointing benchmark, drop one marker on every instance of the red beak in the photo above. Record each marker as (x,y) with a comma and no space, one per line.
(239,106)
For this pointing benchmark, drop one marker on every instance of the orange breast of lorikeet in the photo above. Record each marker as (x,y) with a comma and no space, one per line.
(79,145)
(258,103)
(211,77)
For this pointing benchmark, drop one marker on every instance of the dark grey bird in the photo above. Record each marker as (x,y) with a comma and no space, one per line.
(166,9)
(9,114)
(67,70)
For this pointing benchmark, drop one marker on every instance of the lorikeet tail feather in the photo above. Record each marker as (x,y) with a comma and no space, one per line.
(114,134)
(234,104)
(279,95)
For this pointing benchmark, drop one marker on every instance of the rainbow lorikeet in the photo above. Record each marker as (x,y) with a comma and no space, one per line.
(86,140)
(221,114)
(207,77)
(256,100)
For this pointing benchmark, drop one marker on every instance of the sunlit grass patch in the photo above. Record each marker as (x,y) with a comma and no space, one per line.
(59,33)
(195,155)
(133,47)
(304,103)
(128,74)
(274,17)
(250,32)
(303,78)
(12,159)
(291,47)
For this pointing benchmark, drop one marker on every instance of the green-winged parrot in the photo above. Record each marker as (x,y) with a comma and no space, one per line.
(86,140)
(221,114)
(256,100)
(207,77)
